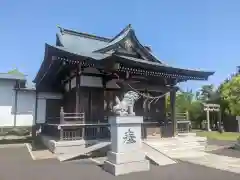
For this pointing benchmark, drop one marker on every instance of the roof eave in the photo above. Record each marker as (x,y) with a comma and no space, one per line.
(82,34)
(191,74)
(41,67)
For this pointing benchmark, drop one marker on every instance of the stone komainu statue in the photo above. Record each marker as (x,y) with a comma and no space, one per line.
(125,107)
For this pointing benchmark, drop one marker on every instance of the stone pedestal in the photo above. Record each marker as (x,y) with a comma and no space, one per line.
(126,155)
(237,146)
(238,120)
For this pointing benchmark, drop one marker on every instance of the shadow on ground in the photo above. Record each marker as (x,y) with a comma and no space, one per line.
(15,140)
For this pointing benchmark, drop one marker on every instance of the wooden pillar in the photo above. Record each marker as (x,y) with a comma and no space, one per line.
(77,109)
(220,117)
(208,120)
(16,102)
(173,109)
(105,99)
(62,116)
(34,126)
(78,101)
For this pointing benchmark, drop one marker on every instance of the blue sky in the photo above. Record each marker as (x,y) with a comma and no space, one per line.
(192,34)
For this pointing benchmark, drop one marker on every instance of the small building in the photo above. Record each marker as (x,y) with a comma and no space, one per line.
(18,102)
(87,72)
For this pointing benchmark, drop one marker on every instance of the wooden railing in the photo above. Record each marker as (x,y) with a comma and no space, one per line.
(72,126)
(183,122)
(66,118)
(77,131)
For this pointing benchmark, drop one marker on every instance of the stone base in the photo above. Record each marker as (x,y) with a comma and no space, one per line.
(237,145)
(126,168)
(121,158)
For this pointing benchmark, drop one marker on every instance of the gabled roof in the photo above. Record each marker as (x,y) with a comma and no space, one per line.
(82,43)
(124,48)
(128,35)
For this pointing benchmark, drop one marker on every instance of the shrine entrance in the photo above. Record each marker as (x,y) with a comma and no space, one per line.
(215,120)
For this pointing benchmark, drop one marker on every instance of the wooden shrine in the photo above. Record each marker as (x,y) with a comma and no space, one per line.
(90,71)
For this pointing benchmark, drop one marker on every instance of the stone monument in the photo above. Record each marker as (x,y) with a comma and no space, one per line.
(126,155)
(238,140)
(237,145)
(238,119)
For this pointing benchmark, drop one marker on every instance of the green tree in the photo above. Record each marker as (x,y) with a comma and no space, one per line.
(184,100)
(230,94)
(206,93)
(15,72)
(196,113)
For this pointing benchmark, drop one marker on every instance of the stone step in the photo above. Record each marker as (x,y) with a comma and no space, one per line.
(70,155)
(186,146)
(156,156)
(178,140)
(178,145)
(187,134)
(185,154)
(200,148)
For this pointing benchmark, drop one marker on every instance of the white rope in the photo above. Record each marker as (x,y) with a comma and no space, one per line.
(148,97)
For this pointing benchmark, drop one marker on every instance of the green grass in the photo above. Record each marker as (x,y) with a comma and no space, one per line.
(227,136)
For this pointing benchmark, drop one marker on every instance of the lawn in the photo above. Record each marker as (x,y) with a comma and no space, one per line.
(227,136)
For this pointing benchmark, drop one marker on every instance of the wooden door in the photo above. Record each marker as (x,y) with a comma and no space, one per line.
(53,110)
(97,105)
(84,104)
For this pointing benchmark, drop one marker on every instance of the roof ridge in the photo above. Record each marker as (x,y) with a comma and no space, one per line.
(129,26)
(87,35)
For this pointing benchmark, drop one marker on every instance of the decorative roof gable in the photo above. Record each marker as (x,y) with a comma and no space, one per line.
(124,43)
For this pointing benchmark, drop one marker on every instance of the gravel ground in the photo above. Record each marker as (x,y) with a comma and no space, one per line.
(227,152)
(220,142)
(16,164)
(224,151)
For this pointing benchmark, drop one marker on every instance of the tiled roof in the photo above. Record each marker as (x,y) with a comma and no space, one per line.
(99,48)
(93,55)
(80,43)
(12,76)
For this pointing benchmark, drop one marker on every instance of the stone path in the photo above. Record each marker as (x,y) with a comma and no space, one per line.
(215,161)
(200,157)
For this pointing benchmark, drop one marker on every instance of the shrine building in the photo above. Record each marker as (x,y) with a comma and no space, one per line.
(84,73)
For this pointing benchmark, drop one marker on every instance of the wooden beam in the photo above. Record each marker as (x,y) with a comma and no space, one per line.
(142,86)
(173,110)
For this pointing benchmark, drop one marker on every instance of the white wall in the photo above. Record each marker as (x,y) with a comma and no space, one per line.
(25,108)
(41,111)
(25,105)
(41,106)
(7,96)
